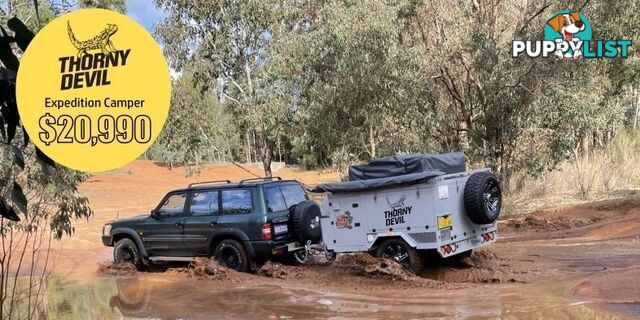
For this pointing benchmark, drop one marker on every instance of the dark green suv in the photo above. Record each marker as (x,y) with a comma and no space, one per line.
(240,224)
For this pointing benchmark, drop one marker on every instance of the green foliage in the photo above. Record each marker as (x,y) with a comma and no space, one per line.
(29,178)
(115,5)
(38,200)
(199,129)
(226,46)
(309,161)
(344,81)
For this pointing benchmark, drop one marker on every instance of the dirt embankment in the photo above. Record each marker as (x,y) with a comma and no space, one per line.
(579,220)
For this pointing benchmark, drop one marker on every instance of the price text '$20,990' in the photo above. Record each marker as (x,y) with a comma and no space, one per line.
(78,129)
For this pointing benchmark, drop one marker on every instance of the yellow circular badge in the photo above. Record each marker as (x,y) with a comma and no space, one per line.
(93,90)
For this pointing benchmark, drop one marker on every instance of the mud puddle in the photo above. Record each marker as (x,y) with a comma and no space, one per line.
(172,296)
(485,285)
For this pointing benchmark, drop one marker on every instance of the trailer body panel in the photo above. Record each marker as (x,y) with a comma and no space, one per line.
(429,215)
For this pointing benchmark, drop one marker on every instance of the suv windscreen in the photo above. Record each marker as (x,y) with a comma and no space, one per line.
(204,203)
(237,201)
(173,205)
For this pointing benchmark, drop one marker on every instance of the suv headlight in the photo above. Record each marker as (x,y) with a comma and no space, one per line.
(106,230)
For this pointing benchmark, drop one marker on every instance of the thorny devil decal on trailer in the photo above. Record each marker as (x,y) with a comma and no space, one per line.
(398,211)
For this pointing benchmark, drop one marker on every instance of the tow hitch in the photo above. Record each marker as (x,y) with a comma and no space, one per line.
(303,256)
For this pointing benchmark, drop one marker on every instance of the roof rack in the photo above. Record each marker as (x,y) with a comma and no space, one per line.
(208,182)
(242,182)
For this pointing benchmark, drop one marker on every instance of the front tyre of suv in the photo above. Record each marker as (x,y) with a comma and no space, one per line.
(126,251)
(231,254)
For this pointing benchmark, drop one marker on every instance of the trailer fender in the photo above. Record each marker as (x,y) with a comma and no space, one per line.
(377,238)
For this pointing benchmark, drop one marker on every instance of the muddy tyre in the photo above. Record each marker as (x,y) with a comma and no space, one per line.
(126,251)
(398,250)
(482,198)
(306,222)
(231,254)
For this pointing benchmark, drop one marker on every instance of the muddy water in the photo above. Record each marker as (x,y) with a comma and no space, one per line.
(514,279)
(174,297)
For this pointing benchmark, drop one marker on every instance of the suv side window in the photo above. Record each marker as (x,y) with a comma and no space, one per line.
(173,205)
(275,200)
(293,194)
(237,201)
(204,203)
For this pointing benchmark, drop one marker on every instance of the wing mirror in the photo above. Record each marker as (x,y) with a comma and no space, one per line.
(154,214)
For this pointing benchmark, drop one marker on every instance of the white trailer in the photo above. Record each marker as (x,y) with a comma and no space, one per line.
(401,216)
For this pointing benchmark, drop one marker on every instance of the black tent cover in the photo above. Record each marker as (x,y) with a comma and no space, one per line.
(397,170)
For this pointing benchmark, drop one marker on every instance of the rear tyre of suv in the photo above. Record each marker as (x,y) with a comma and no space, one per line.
(231,254)
(398,250)
(126,251)
(306,222)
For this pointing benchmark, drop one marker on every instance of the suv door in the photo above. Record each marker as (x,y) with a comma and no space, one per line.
(204,212)
(277,212)
(163,235)
(279,199)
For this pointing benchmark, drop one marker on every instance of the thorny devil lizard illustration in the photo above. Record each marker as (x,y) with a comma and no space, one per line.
(102,41)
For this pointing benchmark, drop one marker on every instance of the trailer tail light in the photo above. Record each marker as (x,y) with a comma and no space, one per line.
(489,236)
(449,248)
(266,231)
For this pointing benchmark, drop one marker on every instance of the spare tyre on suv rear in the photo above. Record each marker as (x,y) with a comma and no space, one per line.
(306,222)
(482,198)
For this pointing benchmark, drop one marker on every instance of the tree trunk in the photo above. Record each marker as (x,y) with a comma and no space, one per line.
(637,114)
(372,141)
(255,147)
(584,146)
(267,156)
(248,149)
(463,135)
(279,146)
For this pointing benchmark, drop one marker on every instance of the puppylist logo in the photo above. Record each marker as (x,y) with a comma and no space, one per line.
(568,34)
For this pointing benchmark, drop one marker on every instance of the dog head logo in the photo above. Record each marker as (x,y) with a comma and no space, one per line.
(567,24)
(568,29)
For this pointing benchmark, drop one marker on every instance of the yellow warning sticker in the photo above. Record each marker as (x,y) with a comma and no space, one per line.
(93,90)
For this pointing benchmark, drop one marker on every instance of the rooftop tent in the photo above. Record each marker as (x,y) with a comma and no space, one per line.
(396,171)
(405,164)
(378,183)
